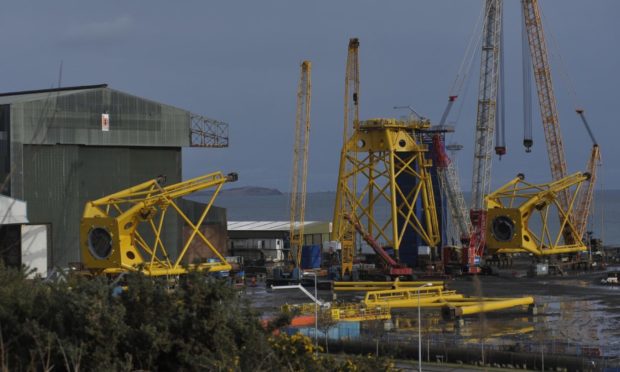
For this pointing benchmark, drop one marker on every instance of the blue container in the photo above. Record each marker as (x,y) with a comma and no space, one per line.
(311,256)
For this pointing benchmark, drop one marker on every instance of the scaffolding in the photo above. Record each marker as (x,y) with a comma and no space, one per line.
(207,132)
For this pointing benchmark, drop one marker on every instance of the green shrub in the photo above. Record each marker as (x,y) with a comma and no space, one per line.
(200,324)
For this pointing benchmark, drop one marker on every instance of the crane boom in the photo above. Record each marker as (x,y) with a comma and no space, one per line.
(344,231)
(485,125)
(546,96)
(394,267)
(449,180)
(487,101)
(300,155)
(584,200)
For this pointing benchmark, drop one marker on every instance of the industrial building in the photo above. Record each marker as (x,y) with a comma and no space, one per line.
(62,147)
(271,238)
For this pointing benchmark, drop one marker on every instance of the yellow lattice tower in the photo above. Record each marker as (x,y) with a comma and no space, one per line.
(300,157)
(376,154)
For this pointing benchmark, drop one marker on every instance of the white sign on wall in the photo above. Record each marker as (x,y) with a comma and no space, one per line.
(105,122)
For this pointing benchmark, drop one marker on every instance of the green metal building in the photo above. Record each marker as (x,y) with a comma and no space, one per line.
(62,147)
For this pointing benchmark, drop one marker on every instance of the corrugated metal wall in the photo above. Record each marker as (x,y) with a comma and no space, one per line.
(59,179)
(76,119)
(5,158)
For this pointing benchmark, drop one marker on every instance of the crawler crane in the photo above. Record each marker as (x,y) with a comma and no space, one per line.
(491,54)
(573,209)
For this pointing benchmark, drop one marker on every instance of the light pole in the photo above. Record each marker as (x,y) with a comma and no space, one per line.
(420,327)
(316,312)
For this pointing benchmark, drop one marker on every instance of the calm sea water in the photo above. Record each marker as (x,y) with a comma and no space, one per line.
(605,221)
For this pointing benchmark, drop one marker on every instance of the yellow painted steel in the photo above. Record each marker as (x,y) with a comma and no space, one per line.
(436,297)
(514,205)
(111,242)
(306,308)
(358,313)
(345,233)
(375,156)
(347,312)
(584,204)
(377,286)
(546,96)
(300,155)
(408,297)
(486,305)
(425,301)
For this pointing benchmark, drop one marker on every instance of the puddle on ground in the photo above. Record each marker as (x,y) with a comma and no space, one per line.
(562,325)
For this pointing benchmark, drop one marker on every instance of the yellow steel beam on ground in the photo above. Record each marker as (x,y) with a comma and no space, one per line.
(348,312)
(377,286)
(357,313)
(492,305)
(425,301)
(405,298)
(404,292)
(436,297)
(159,270)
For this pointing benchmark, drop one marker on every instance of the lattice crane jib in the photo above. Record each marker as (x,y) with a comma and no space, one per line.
(485,125)
(344,232)
(378,155)
(586,196)
(587,193)
(520,217)
(546,96)
(450,183)
(300,162)
(110,239)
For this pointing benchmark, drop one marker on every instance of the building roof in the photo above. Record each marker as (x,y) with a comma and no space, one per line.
(76,116)
(79,115)
(12,211)
(35,95)
(269,225)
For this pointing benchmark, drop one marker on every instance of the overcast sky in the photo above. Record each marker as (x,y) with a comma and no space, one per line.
(238,61)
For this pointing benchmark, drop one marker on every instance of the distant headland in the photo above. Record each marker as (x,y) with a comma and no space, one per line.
(247,191)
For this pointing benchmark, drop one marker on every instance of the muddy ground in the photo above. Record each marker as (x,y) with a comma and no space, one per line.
(576,314)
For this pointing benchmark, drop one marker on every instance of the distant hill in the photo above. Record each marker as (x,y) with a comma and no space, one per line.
(246,191)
